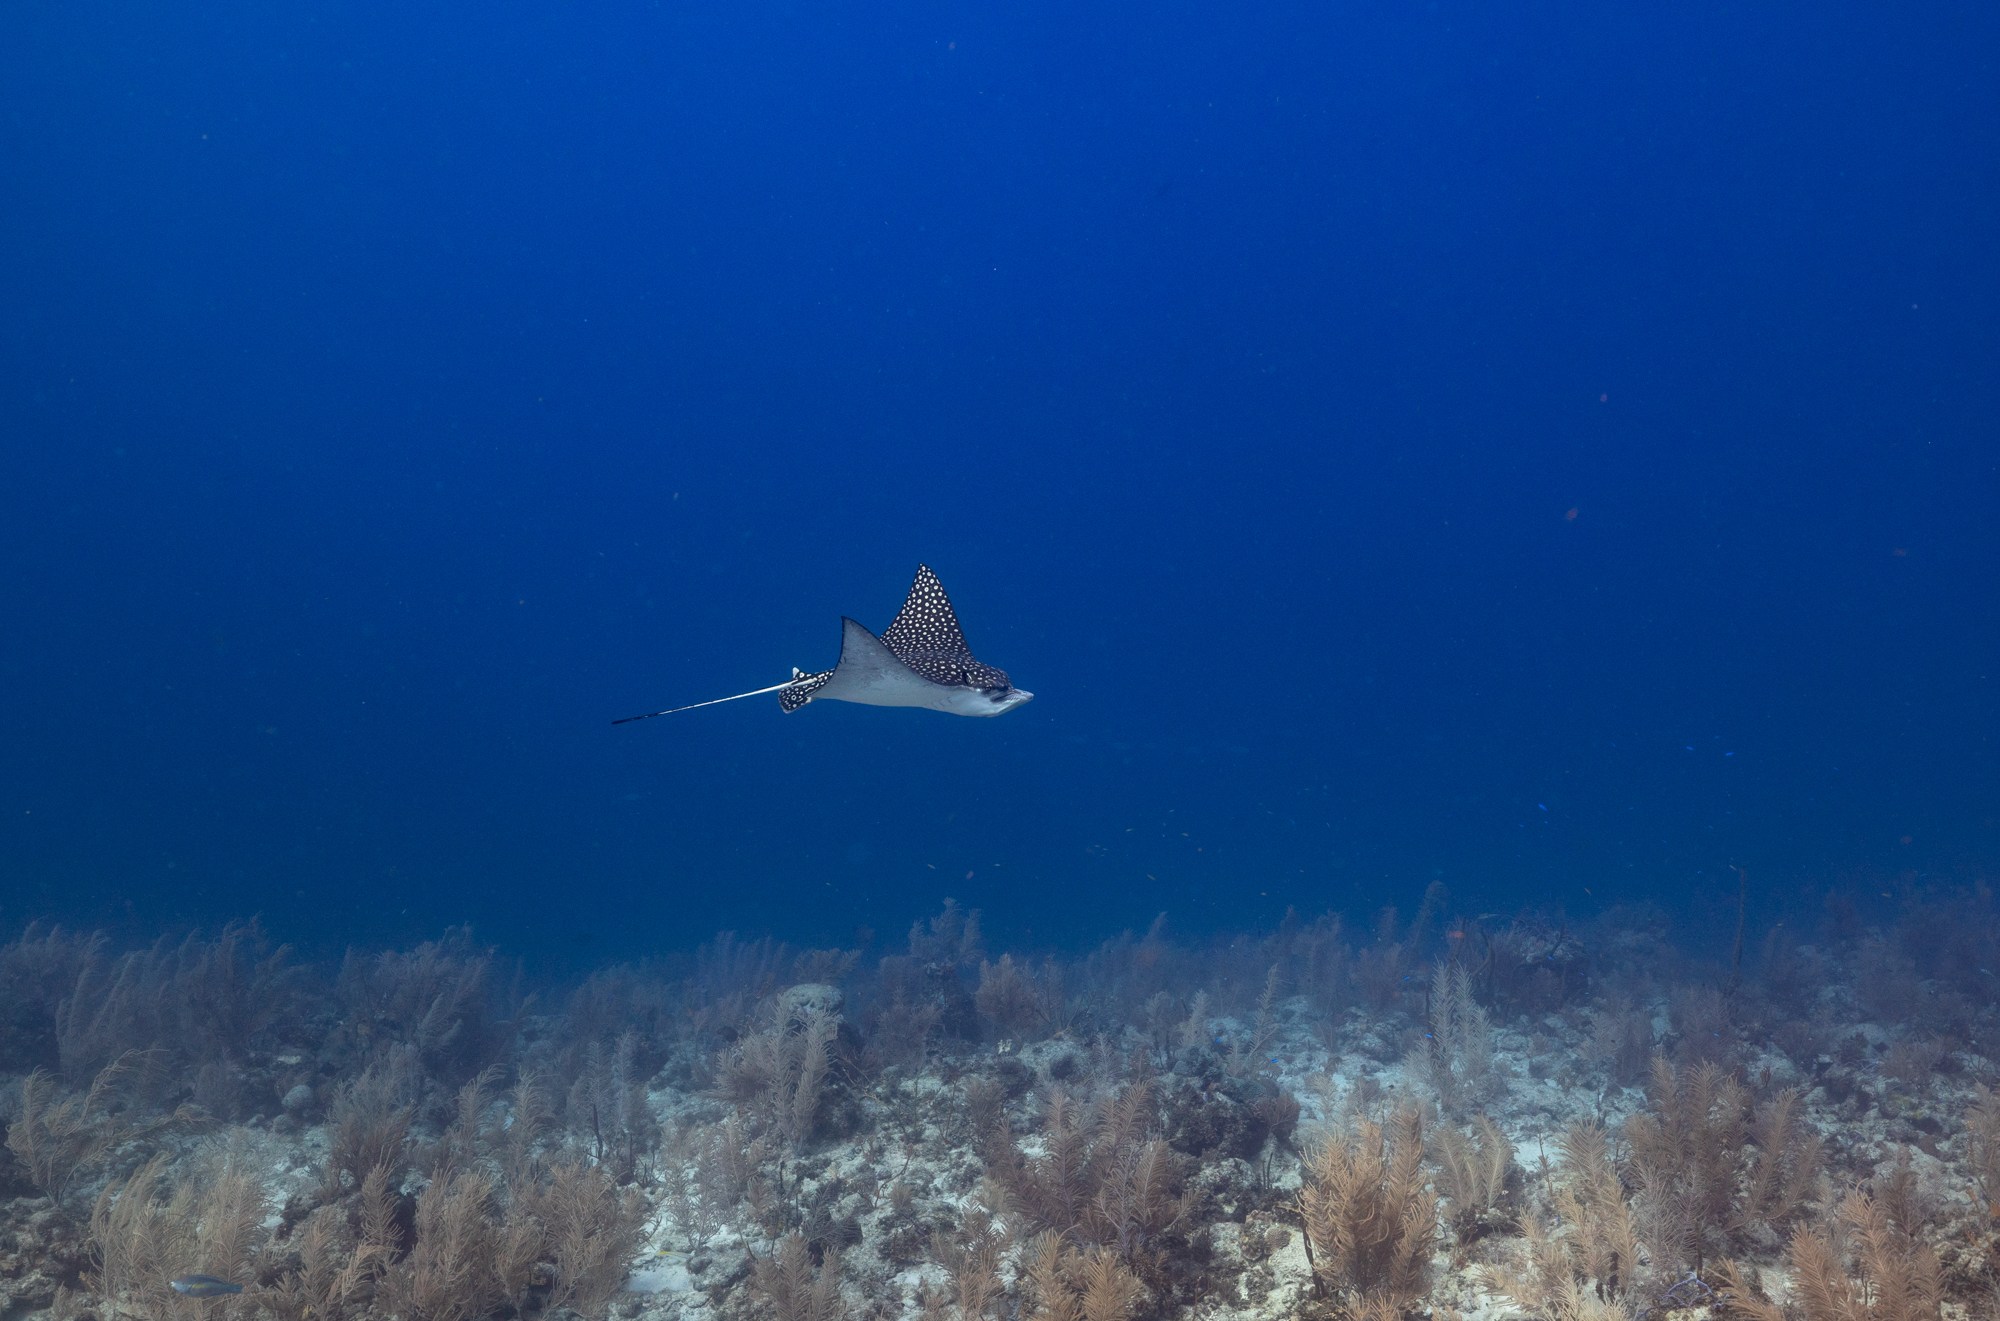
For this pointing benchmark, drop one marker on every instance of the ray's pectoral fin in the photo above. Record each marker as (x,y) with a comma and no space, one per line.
(870,674)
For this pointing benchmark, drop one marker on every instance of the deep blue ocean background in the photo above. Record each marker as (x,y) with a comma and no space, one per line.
(1547,448)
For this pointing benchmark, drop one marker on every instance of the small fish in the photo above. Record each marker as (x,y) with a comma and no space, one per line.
(205,1286)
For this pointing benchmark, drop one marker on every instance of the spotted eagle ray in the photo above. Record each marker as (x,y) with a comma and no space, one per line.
(920,660)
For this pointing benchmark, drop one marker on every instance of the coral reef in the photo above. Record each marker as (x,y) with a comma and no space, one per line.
(1528,1118)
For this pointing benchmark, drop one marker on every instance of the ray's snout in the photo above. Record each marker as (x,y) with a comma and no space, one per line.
(1006,699)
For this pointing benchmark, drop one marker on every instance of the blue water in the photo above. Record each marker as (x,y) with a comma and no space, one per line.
(1547,448)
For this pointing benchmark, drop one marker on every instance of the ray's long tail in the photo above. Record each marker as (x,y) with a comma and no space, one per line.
(713,701)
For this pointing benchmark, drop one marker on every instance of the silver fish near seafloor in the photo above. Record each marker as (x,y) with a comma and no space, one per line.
(920,660)
(204,1286)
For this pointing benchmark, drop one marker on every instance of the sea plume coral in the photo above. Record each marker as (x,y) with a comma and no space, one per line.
(1592,1252)
(54,1135)
(1370,1217)
(1894,1278)
(792,1289)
